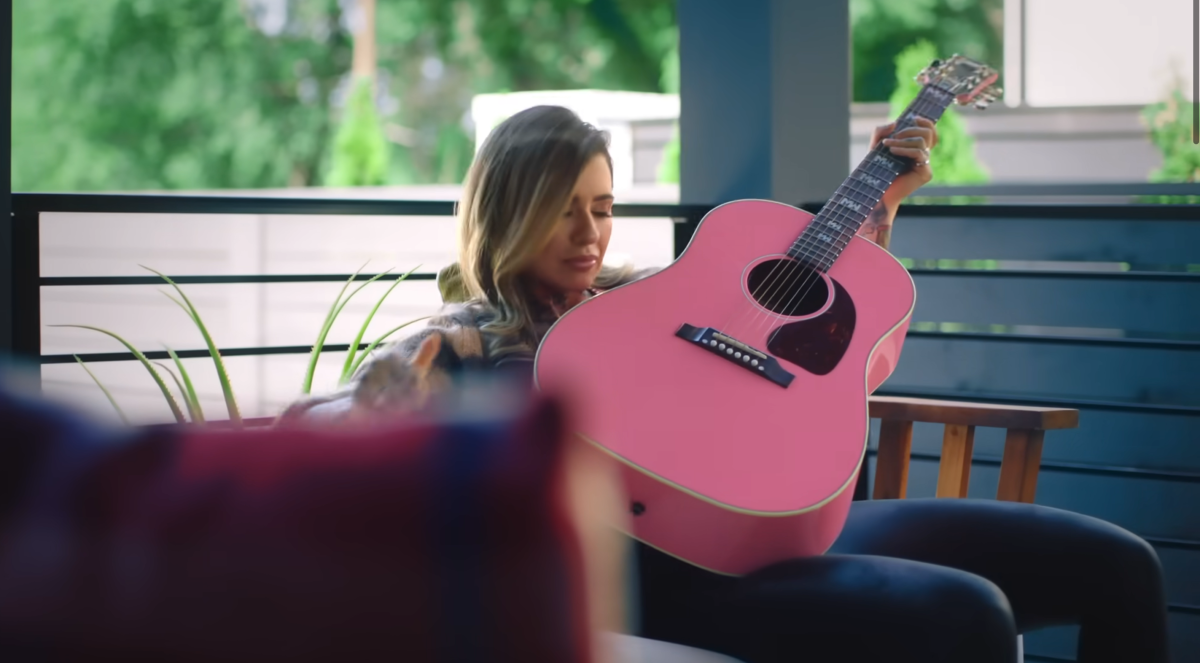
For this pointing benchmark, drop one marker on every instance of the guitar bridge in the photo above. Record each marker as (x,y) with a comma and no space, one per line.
(733,350)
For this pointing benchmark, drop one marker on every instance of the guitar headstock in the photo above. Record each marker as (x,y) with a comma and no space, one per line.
(969,81)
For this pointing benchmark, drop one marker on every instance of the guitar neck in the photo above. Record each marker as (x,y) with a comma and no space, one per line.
(843,215)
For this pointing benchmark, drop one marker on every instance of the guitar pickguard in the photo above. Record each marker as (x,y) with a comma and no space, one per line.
(817,344)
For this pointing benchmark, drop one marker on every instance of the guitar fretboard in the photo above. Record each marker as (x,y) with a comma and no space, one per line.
(839,221)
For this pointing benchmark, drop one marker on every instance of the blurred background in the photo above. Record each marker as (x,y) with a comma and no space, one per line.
(388,99)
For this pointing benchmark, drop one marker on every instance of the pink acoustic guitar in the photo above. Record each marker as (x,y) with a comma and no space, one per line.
(733,384)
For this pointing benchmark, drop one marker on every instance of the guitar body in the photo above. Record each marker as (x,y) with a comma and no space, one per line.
(683,377)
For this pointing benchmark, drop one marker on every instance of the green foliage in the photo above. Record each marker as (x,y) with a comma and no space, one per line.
(186,389)
(668,168)
(107,393)
(113,95)
(1170,125)
(348,366)
(439,53)
(199,94)
(222,375)
(331,317)
(162,386)
(189,391)
(360,152)
(183,391)
(954,160)
(885,60)
(353,360)
(881,29)
(136,95)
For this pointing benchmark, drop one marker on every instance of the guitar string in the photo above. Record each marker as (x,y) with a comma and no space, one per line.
(826,254)
(846,197)
(815,253)
(839,217)
(805,244)
(929,108)
(771,283)
(833,215)
(810,251)
(880,155)
(810,255)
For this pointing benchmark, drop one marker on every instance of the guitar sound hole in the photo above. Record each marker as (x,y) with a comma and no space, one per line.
(786,287)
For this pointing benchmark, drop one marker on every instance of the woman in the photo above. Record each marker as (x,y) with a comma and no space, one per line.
(908,580)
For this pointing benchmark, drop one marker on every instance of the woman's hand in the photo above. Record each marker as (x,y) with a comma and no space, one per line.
(914,143)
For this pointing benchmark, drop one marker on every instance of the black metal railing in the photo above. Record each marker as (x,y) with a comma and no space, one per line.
(28,280)
(26,244)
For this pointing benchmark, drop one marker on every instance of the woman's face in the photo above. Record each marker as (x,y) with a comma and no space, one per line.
(571,261)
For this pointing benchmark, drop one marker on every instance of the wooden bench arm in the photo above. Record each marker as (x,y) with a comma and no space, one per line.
(1026,428)
(988,415)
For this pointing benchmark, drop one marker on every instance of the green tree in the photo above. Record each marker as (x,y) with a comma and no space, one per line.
(1170,125)
(668,167)
(360,153)
(128,94)
(881,29)
(138,94)
(437,54)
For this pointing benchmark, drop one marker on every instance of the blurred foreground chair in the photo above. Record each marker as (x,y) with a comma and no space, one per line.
(472,539)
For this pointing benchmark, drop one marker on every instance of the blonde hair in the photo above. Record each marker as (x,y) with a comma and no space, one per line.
(515,190)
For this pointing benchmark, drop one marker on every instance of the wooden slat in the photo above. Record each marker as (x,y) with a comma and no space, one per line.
(1019,467)
(891,462)
(1060,300)
(1131,240)
(999,365)
(1102,438)
(896,408)
(954,472)
(1133,503)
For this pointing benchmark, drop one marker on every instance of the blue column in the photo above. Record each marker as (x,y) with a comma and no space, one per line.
(765,99)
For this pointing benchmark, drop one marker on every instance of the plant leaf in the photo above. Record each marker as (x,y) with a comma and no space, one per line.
(349,364)
(226,387)
(306,386)
(112,400)
(338,305)
(193,401)
(376,342)
(145,362)
(179,385)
